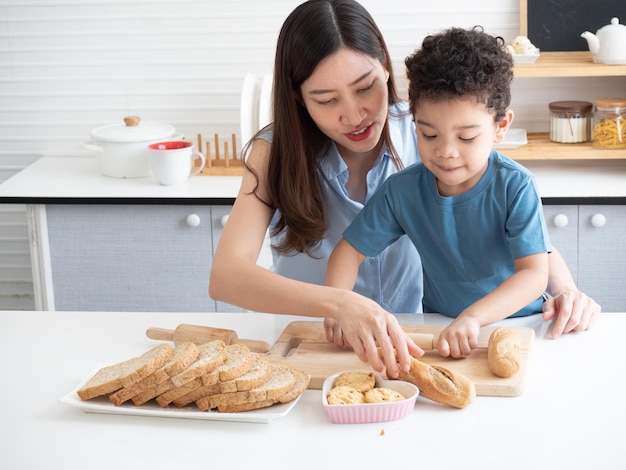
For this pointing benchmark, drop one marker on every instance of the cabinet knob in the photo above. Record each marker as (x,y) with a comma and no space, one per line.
(193,220)
(560,220)
(223,220)
(598,220)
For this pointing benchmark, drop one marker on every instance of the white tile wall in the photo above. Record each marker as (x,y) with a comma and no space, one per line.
(67,66)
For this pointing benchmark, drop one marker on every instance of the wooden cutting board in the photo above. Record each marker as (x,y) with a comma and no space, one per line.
(302,344)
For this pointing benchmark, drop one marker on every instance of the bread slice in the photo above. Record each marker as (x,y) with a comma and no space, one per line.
(184,354)
(238,361)
(168,397)
(254,377)
(280,380)
(302,383)
(299,386)
(123,374)
(257,375)
(210,356)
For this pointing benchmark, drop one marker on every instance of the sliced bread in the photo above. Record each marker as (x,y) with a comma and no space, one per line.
(300,385)
(257,375)
(172,394)
(111,378)
(254,377)
(280,380)
(238,363)
(210,356)
(184,354)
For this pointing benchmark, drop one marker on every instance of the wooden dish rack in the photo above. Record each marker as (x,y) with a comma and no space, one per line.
(220,163)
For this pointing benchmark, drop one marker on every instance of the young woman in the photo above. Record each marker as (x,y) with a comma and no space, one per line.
(339,131)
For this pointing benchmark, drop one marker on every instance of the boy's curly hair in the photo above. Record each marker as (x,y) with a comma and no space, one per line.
(462,63)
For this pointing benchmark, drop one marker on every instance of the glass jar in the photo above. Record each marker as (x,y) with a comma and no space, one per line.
(570,121)
(609,124)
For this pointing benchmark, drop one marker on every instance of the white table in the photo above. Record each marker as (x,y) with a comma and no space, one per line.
(571,414)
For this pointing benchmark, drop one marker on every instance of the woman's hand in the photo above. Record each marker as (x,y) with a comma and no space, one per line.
(572,311)
(374,334)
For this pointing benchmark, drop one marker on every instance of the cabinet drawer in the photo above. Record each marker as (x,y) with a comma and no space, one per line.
(130,257)
(602,255)
(562,222)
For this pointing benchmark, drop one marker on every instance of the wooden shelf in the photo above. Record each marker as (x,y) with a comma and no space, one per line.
(567,64)
(540,147)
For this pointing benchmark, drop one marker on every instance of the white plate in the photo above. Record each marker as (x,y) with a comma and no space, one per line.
(514,138)
(104,405)
(524,58)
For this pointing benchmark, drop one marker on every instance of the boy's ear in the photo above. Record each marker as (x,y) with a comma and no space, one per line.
(503,126)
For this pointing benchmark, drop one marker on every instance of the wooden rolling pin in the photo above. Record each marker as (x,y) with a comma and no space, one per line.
(203,334)
(428,341)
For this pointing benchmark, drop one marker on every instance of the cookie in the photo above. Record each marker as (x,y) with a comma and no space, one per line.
(344,395)
(359,379)
(382,394)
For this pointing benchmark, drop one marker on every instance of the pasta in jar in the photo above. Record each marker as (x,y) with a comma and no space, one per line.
(609,124)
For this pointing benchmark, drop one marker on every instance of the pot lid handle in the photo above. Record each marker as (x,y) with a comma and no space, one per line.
(132,120)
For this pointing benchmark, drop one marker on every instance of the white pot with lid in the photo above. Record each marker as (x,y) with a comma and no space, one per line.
(123,148)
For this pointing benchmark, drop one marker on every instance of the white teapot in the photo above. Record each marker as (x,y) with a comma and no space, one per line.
(608,45)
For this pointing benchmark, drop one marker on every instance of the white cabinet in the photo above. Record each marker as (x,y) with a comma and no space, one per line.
(602,254)
(110,257)
(592,239)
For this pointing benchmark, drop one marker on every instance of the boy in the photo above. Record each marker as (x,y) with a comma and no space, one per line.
(474,215)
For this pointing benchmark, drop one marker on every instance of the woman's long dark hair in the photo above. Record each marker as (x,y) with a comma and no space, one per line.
(313,31)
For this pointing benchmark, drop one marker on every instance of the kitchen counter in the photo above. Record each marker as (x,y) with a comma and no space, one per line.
(73,179)
(571,414)
(79,180)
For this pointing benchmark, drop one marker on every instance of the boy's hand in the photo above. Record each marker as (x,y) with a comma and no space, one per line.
(459,338)
(573,311)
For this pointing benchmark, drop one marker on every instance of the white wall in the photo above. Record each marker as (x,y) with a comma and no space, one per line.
(68,66)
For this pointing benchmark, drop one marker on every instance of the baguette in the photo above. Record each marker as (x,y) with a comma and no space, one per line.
(503,352)
(109,379)
(440,384)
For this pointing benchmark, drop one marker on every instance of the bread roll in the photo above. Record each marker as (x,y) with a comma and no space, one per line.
(503,353)
(440,384)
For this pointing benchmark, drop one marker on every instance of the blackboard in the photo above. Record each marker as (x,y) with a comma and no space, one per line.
(556,25)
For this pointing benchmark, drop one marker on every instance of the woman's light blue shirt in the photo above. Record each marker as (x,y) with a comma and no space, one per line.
(393,278)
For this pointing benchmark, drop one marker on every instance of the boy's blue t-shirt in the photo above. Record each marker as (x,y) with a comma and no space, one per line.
(467,242)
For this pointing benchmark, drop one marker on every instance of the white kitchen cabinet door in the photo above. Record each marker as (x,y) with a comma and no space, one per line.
(219,215)
(562,222)
(602,255)
(130,257)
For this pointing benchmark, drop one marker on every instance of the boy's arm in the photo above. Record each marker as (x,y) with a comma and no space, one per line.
(527,284)
(343,265)
(572,309)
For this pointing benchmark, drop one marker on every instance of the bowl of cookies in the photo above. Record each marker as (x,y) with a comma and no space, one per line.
(361,396)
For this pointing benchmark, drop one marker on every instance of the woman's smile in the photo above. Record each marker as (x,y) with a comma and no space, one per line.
(360,135)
